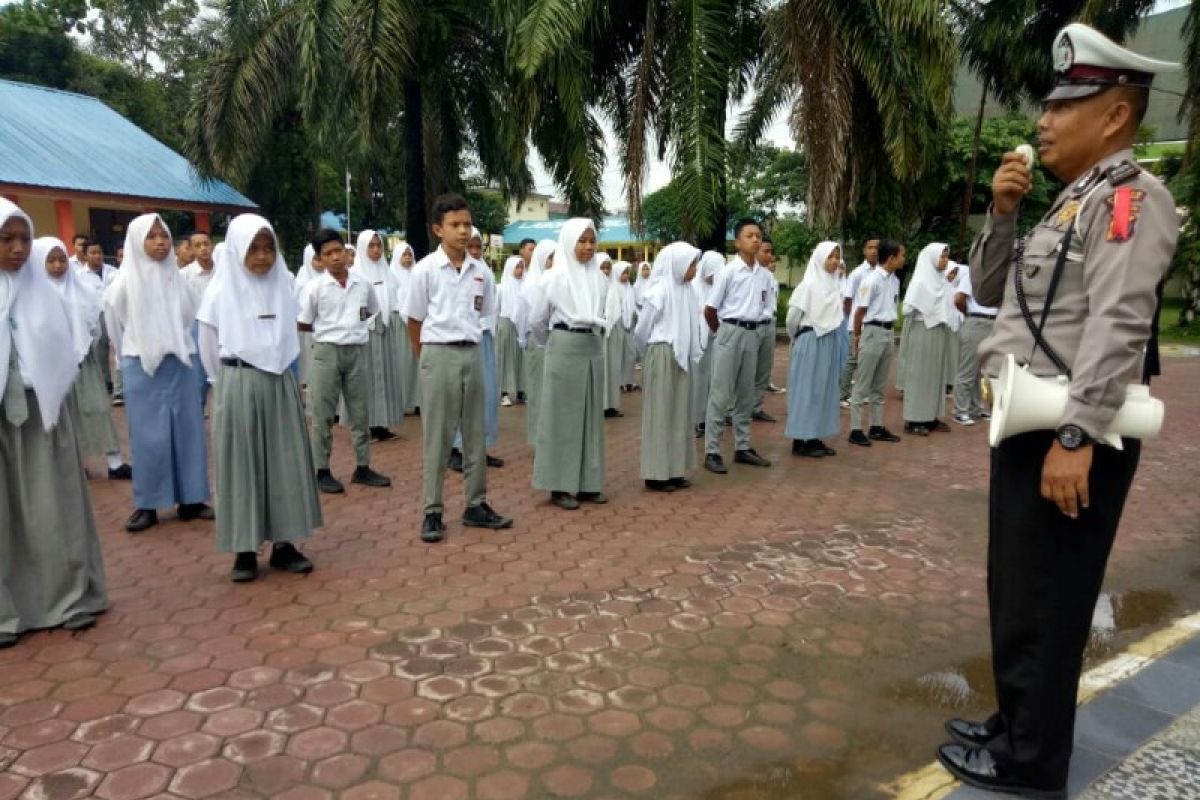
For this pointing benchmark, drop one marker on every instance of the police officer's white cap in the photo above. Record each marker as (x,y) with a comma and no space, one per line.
(1088,62)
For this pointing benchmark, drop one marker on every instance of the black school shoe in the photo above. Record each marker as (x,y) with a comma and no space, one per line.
(659,486)
(700,431)
(286,558)
(455,461)
(882,434)
(714,463)
(976,766)
(609,413)
(433,530)
(382,434)
(494,462)
(937,426)
(482,516)
(7,640)
(762,416)
(681,483)
(369,477)
(859,438)
(191,511)
(142,519)
(974,734)
(328,484)
(750,457)
(245,568)
(564,500)
(916,429)
(121,473)
(599,498)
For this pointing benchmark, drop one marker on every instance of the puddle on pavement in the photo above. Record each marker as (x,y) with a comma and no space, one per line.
(813,780)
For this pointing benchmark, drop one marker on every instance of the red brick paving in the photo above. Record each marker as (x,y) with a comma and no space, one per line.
(772,633)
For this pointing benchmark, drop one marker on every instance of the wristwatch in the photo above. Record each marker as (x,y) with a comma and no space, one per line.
(1072,437)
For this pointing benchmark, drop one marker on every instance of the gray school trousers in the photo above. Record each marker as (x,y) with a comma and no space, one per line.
(452,396)
(734,369)
(968,396)
(338,370)
(875,346)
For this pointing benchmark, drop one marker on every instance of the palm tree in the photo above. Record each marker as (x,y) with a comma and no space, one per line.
(1187,256)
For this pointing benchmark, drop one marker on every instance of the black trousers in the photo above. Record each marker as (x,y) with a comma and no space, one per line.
(1044,576)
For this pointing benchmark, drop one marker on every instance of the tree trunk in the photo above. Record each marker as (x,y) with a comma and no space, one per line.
(416,216)
(714,238)
(969,191)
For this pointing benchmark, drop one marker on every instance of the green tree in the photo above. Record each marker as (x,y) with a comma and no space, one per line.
(139,33)
(488,210)
(765,180)
(1187,183)
(661,215)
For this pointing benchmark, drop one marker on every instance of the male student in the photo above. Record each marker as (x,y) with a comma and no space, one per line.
(197,276)
(448,299)
(734,312)
(96,275)
(874,342)
(335,307)
(183,251)
(850,295)
(766,329)
(79,251)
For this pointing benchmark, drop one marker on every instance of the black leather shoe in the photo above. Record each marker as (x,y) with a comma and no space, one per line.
(714,463)
(882,434)
(609,413)
(659,486)
(7,640)
(329,484)
(382,434)
(762,416)
(808,449)
(245,568)
(974,734)
(494,462)
(859,438)
(826,450)
(975,766)
(938,426)
(700,431)
(80,622)
(564,501)
(121,473)
(482,516)
(141,520)
(455,461)
(750,457)
(369,477)
(916,429)
(285,557)
(599,498)
(191,511)
(433,531)
(681,483)
(521,398)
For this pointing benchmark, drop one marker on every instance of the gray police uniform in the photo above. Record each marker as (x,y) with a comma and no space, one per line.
(1045,569)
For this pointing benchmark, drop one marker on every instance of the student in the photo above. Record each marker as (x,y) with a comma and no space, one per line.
(873,343)
(620,353)
(97,276)
(928,314)
(385,400)
(448,299)
(197,275)
(976,327)
(403,260)
(643,282)
(733,312)
(307,272)
(669,336)
(540,263)
(335,307)
(119,255)
(87,403)
(766,330)
(525,251)
(248,340)
(183,251)
(569,458)
(79,244)
(51,568)
(815,325)
(512,313)
(710,264)
(150,312)
(849,303)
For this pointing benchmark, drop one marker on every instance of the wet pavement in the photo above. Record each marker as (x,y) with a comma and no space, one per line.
(796,632)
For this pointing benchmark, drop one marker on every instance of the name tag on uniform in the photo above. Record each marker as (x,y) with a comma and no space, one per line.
(479,302)
(363,314)
(266,316)
(764,296)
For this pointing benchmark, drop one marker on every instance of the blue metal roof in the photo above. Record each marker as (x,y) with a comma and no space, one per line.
(613,230)
(64,140)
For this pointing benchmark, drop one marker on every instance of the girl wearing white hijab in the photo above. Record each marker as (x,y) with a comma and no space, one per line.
(87,404)
(620,353)
(642,283)
(929,365)
(815,318)
(51,569)
(403,260)
(248,340)
(668,335)
(710,264)
(540,263)
(385,387)
(150,310)
(305,274)
(569,458)
(513,311)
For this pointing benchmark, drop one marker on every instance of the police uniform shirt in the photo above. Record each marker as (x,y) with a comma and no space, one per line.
(338,314)
(879,292)
(738,292)
(1099,321)
(854,281)
(450,304)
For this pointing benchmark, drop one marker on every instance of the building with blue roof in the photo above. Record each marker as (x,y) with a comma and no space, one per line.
(615,237)
(75,165)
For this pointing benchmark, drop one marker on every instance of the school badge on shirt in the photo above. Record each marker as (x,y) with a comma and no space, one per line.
(479,302)
(1125,204)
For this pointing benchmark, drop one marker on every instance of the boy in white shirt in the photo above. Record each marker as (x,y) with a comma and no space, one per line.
(874,343)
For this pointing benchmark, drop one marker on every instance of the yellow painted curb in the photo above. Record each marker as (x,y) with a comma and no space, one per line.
(932,782)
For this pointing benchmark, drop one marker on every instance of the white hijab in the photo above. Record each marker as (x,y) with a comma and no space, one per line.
(254,315)
(512,300)
(576,289)
(82,302)
(929,292)
(33,317)
(376,273)
(710,264)
(402,274)
(670,293)
(306,272)
(151,301)
(621,304)
(819,295)
(640,284)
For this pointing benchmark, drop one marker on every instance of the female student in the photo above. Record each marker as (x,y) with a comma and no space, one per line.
(87,403)
(535,339)
(51,569)
(815,324)
(620,355)
(150,311)
(569,459)
(266,484)
(512,311)
(403,260)
(710,264)
(308,270)
(929,361)
(385,400)
(668,335)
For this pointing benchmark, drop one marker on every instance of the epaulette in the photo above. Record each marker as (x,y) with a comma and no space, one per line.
(1086,181)
(1122,172)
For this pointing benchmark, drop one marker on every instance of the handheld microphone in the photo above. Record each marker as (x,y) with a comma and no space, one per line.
(1026,152)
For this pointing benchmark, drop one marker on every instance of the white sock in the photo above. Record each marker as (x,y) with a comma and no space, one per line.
(114,459)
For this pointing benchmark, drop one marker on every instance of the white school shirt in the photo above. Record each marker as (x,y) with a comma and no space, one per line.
(965,287)
(854,281)
(739,292)
(879,292)
(771,306)
(451,305)
(337,314)
(96,282)
(197,278)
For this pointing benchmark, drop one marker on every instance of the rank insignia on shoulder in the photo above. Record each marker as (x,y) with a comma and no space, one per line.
(1122,172)
(1068,212)
(1125,204)
(1087,181)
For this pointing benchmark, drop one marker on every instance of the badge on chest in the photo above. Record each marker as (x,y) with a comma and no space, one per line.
(478,302)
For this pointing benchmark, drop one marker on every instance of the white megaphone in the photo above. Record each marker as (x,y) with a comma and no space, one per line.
(1023,402)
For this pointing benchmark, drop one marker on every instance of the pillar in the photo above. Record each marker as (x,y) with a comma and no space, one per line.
(202,222)
(64,215)
(12,198)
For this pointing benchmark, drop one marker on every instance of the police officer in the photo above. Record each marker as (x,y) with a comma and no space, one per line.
(1057,495)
